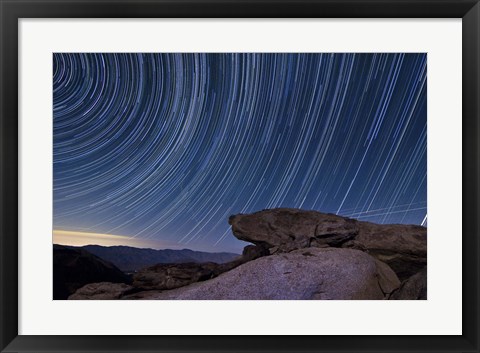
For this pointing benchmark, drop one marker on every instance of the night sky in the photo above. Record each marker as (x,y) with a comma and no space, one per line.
(163,148)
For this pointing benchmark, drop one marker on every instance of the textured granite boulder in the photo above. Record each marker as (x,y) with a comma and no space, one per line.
(315,273)
(402,247)
(287,229)
(169,276)
(101,291)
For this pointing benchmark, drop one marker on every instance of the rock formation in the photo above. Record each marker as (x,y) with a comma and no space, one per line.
(296,255)
(284,229)
(169,276)
(102,291)
(313,273)
(402,247)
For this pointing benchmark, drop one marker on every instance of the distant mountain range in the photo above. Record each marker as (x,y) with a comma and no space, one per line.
(130,259)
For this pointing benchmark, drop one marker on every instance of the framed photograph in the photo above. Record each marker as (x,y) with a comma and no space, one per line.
(238,176)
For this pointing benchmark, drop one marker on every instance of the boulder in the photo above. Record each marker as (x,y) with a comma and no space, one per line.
(73,268)
(101,291)
(287,229)
(414,288)
(402,247)
(387,278)
(169,276)
(315,273)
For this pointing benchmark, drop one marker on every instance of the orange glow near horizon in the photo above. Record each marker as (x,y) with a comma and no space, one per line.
(75,238)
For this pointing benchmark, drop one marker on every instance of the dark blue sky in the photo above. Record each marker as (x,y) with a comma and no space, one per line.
(166,146)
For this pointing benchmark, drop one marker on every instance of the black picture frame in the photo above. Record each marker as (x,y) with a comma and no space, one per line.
(12,10)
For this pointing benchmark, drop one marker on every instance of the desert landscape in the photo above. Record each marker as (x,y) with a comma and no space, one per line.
(239,176)
(295,255)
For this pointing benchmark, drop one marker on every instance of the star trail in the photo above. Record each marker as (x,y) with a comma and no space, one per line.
(165,147)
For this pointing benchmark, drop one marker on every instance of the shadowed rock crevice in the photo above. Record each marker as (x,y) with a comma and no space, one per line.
(414,288)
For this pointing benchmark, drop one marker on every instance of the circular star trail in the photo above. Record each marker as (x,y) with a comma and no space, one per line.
(167,146)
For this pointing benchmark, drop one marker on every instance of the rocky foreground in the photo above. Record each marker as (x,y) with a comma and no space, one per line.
(296,255)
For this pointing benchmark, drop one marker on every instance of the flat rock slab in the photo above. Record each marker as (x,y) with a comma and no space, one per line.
(315,273)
